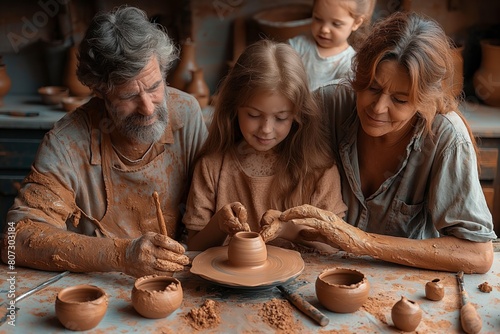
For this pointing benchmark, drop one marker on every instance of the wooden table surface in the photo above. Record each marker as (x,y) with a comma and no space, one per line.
(239,309)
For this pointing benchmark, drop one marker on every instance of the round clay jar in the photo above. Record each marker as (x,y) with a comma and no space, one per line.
(434,290)
(81,307)
(342,290)
(406,315)
(156,296)
(247,249)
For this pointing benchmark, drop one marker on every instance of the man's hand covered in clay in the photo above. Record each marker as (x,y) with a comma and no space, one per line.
(232,218)
(333,230)
(153,253)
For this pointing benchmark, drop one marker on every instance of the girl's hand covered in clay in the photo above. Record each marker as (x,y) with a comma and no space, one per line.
(335,230)
(270,225)
(154,253)
(232,218)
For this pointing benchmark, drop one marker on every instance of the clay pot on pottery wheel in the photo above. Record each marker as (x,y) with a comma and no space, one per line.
(156,296)
(434,290)
(81,307)
(342,290)
(246,249)
(284,22)
(406,315)
(486,79)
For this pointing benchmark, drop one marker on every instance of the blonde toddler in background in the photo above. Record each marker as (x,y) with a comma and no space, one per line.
(337,27)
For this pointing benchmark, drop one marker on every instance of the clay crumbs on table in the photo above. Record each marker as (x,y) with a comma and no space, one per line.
(206,316)
(278,314)
(485,287)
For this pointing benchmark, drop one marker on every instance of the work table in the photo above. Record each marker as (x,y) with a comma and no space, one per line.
(239,309)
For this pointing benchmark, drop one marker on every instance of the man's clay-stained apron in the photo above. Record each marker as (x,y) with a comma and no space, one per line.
(130,210)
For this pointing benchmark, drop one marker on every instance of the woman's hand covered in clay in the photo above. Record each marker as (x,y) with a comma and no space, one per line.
(232,218)
(335,230)
(154,253)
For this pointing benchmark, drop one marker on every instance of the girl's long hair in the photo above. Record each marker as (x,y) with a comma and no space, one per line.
(305,153)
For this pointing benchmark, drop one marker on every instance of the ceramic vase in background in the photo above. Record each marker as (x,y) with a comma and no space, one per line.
(182,74)
(458,74)
(486,79)
(198,88)
(70,80)
(5,82)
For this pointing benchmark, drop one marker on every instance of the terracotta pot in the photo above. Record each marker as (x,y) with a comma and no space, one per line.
(458,74)
(81,307)
(182,75)
(486,80)
(284,22)
(247,249)
(434,290)
(53,94)
(156,296)
(70,103)
(199,88)
(70,80)
(406,315)
(5,82)
(342,290)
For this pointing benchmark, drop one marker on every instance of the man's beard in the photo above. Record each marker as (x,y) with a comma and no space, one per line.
(130,126)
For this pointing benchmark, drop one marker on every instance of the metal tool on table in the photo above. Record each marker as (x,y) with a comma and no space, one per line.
(304,306)
(469,318)
(5,311)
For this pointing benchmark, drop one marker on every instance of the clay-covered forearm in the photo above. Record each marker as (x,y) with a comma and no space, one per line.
(444,253)
(42,246)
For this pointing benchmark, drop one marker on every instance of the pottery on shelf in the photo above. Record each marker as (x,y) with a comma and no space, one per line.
(342,290)
(5,82)
(406,314)
(458,70)
(486,79)
(198,88)
(81,307)
(284,22)
(156,296)
(182,74)
(246,249)
(70,79)
(53,94)
(434,290)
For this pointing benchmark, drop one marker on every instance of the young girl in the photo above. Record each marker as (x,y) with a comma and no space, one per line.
(338,26)
(266,149)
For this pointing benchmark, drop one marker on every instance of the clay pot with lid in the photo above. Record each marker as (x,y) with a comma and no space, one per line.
(406,314)
(247,249)
(81,307)
(434,290)
(156,296)
(342,290)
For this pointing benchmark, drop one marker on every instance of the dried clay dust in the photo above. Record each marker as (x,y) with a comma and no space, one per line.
(206,316)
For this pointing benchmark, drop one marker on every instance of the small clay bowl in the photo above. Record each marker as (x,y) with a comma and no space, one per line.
(70,103)
(247,249)
(156,296)
(342,290)
(81,307)
(53,94)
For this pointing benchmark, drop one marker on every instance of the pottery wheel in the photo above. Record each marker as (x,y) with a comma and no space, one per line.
(282,265)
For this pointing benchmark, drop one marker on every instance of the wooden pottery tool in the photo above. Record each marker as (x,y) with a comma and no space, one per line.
(159,214)
(304,306)
(4,311)
(469,318)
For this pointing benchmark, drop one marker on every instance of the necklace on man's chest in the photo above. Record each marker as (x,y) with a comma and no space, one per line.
(121,155)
